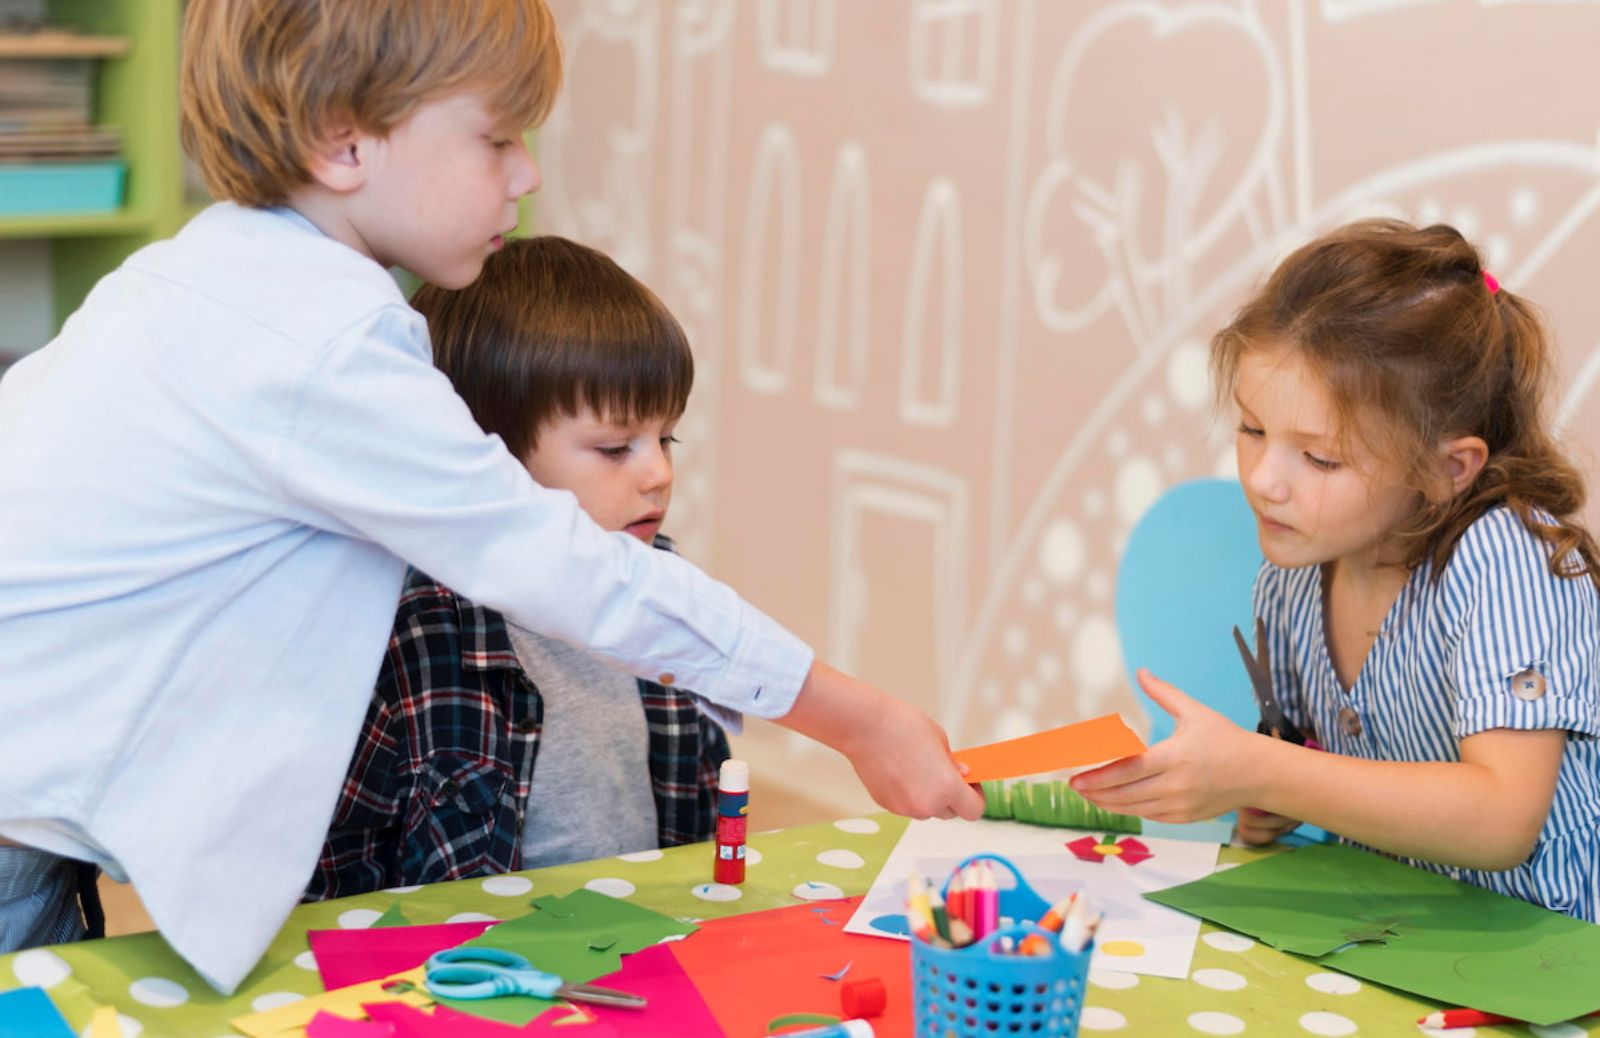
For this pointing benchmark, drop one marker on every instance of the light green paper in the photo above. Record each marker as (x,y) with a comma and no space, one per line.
(394,915)
(1413,930)
(560,939)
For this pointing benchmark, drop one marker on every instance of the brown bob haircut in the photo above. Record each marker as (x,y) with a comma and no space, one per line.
(550,328)
(264,82)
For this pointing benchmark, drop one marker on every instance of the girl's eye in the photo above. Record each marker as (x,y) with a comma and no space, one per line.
(667,441)
(500,143)
(1325,464)
(1249,430)
(614,452)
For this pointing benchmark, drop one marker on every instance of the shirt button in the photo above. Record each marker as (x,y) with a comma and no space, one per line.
(667,678)
(1350,721)
(1528,685)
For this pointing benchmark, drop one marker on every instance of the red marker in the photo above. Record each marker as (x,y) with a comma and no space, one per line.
(733,803)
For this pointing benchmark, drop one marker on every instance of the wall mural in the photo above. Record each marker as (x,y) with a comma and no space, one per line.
(950,266)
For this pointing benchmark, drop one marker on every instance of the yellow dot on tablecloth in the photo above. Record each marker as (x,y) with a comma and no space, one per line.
(841,859)
(1099,1018)
(38,967)
(1228,942)
(812,890)
(358,918)
(1122,949)
(507,886)
(717,892)
(1333,983)
(473,917)
(610,886)
(1327,1025)
(159,992)
(306,960)
(641,856)
(1218,980)
(856,825)
(1216,1023)
(274,999)
(1113,980)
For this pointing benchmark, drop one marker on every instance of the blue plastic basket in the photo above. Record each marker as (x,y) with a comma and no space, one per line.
(61,187)
(978,992)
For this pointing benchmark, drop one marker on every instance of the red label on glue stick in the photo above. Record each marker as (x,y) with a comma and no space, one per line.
(733,805)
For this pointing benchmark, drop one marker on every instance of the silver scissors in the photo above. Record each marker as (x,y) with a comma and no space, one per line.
(1259,666)
(491,972)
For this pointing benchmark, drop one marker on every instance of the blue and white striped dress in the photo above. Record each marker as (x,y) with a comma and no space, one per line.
(1442,669)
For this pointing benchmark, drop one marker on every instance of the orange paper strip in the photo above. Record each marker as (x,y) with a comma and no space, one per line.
(1070,746)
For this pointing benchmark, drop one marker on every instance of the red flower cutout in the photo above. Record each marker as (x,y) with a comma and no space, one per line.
(1095,849)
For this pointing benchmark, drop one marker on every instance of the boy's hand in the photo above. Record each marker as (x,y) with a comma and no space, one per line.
(1201,771)
(1257,828)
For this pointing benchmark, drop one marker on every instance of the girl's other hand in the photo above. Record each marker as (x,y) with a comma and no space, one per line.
(1258,828)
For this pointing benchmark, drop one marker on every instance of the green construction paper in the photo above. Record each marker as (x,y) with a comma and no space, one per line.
(1417,931)
(392,916)
(1052,803)
(560,937)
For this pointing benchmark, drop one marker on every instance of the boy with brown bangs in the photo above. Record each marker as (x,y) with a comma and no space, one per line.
(216,475)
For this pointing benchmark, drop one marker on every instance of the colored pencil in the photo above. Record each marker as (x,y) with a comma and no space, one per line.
(1444,1019)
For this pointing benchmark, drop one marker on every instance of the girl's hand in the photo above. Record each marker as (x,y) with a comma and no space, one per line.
(1257,828)
(1201,771)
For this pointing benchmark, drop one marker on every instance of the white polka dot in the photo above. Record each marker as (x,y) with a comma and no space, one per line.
(1216,1023)
(1218,980)
(306,961)
(1099,1018)
(1330,1025)
(401,890)
(1061,551)
(841,859)
(1228,942)
(717,892)
(1450,1032)
(473,917)
(130,1027)
(1333,983)
(1113,980)
(610,886)
(1189,375)
(358,918)
(815,891)
(752,856)
(1096,658)
(1138,483)
(1549,1031)
(857,825)
(39,967)
(1524,206)
(507,886)
(274,999)
(641,856)
(159,992)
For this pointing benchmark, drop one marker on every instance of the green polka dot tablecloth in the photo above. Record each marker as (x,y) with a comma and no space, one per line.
(1236,986)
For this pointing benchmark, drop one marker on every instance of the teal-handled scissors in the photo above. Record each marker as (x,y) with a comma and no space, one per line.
(491,972)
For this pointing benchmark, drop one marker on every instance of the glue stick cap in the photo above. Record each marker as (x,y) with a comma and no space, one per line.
(735,776)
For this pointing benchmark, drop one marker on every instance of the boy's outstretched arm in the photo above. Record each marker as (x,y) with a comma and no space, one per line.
(1484,811)
(899,753)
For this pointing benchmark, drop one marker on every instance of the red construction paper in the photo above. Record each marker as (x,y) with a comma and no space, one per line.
(676,1007)
(1069,746)
(346,957)
(752,968)
(330,1025)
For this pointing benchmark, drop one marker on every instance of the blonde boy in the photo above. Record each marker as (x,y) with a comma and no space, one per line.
(215,477)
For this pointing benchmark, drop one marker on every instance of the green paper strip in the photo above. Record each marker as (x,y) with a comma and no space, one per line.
(1052,803)
(797,1019)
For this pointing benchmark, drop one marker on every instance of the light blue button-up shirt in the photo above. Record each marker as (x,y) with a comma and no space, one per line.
(210,484)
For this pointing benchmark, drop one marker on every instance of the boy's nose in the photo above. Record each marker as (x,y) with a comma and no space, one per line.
(658,472)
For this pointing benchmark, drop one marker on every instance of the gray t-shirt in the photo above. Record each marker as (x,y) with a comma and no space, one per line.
(591,782)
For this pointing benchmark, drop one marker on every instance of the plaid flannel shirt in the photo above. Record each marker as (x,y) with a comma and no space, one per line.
(438,787)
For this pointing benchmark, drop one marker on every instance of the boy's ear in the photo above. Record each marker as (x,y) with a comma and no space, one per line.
(1461,459)
(339,164)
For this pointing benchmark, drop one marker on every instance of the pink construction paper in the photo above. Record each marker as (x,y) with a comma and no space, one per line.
(675,1005)
(346,957)
(328,1025)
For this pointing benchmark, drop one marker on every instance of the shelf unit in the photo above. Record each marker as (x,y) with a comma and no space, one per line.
(136,91)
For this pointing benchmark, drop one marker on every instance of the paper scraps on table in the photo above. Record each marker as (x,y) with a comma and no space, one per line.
(675,1005)
(1406,928)
(840,974)
(346,1002)
(1069,746)
(1136,935)
(346,957)
(29,1013)
(327,1025)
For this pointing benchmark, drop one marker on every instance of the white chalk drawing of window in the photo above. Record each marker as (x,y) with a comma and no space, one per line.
(796,36)
(844,298)
(768,264)
(888,504)
(954,49)
(930,347)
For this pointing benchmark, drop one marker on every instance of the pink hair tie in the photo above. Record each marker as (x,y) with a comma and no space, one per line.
(1490,283)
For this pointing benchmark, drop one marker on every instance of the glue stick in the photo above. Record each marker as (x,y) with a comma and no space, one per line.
(733,802)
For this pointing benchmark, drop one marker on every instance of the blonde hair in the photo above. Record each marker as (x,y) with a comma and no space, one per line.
(264,81)
(1402,323)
